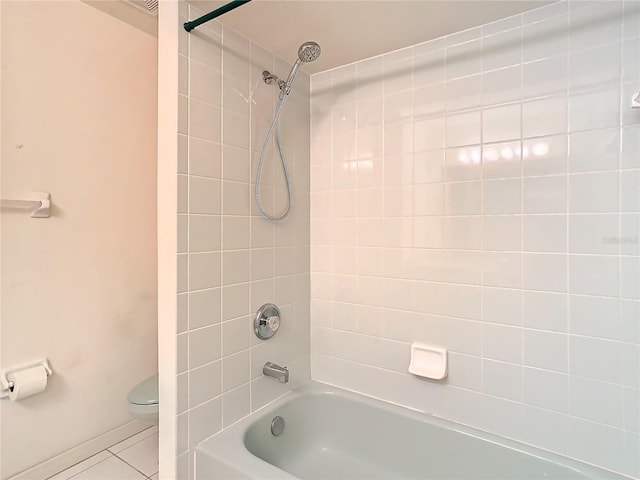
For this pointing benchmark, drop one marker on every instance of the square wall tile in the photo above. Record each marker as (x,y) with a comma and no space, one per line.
(593,110)
(546,350)
(547,116)
(502,306)
(545,272)
(464,93)
(595,316)
(204,270)
(204,121)
(502,160)
(545,311)
(544,233)
(502,269)
(546,389)
(545,77)
(582,75)
(501,232)
(546,38)
(502,342)
(592,233)
(235,301)
(582,189)
(205,158)
(544,156)
(204,346)
(597,359)
(544,194)
(595,25)
(204,383)
(204,233)
(236,404)
(429,134)
(594,275)
(463,59)
(502,379)
(502,86)
(463,198)
(204,421)
(463,129)
(235,370)
(204,196)
(594,150)
(502,197)
(501,123)
(204,308)
(502,50)
(236,335)
(205,83)
(428,100)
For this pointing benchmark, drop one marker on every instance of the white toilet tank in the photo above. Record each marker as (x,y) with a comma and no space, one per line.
(143,399)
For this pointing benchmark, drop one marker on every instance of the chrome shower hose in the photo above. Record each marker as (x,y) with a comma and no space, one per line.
(275,126)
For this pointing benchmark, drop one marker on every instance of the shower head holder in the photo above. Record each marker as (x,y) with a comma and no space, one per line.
(269,78)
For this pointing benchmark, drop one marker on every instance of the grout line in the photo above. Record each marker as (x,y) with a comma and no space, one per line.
(130,465)
(81,461)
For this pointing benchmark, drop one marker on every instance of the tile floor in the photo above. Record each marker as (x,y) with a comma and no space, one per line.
(135,458)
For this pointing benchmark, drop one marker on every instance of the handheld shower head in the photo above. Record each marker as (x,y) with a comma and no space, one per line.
(308,52)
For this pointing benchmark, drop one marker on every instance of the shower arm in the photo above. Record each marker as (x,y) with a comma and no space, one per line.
(188,26)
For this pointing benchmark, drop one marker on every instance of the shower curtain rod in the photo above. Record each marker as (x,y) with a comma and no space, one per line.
(188,26)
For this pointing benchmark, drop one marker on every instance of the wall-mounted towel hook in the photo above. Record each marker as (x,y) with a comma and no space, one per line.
(40,205)
(635,100)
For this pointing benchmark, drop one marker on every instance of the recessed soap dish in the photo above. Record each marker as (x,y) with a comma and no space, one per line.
(428,361)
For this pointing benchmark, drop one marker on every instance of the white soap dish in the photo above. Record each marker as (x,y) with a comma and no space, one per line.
(428,361)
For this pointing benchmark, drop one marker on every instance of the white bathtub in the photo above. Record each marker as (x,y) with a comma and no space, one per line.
(330,433)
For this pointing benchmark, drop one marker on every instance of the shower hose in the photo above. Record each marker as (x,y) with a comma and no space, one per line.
(275,126)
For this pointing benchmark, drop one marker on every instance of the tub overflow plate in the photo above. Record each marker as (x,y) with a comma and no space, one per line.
(277,426)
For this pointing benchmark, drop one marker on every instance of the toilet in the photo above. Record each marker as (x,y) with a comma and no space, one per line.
(143,399)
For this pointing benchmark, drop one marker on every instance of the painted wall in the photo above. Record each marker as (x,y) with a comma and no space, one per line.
(230,261)
(482,192)
(78,121)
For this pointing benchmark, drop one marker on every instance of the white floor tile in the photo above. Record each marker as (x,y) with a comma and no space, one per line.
(111,469)
(143,455)
(118,447)
(82,466)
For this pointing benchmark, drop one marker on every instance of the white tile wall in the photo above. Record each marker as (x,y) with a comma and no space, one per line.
(480,192)
(231,261)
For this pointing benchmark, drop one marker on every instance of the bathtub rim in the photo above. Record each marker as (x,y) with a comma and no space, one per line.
(227,447)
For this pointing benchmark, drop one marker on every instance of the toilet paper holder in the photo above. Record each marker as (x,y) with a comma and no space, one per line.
(6,386)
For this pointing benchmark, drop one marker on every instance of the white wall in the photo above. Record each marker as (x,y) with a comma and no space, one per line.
(230,260)
(482,192)
(78,121)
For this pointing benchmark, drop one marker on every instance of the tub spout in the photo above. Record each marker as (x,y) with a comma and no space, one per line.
(276,371)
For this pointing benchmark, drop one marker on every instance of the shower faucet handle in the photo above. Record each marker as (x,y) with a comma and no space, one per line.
(267,321)
(273,322)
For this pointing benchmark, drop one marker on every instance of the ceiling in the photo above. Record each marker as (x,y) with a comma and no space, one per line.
(129,12)
(351,30)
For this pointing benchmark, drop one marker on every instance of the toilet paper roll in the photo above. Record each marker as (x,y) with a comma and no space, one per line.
(27,382)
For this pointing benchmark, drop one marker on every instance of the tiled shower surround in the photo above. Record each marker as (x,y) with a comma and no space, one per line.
(231,260)
(481,192)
